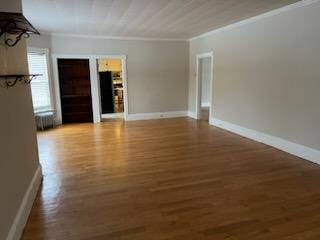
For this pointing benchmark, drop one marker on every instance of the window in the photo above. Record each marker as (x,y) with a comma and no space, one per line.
(39,86)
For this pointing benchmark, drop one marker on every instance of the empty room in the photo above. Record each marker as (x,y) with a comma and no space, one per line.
(159,120)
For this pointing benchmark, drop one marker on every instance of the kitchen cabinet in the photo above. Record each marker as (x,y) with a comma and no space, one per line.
(113,65)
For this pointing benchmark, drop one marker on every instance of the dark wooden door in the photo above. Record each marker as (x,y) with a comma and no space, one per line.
(75,90)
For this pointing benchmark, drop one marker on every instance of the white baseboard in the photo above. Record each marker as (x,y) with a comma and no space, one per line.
(158,115)
(307,153)
(192,114)
(205,104)
(25,207)
(111,115)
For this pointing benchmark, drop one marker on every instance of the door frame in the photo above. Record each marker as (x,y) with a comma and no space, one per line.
(94,82)
(123,59)
(198,85)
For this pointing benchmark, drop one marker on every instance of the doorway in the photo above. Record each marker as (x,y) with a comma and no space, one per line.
(94,84)
(204,86)
(75,90)
(111,81)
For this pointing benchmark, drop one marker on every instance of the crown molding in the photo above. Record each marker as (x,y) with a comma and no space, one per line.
(114,37)
(271,13)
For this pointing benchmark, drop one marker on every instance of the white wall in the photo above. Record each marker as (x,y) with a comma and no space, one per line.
(157,70)
(267,74)
(205,74)
(18,144)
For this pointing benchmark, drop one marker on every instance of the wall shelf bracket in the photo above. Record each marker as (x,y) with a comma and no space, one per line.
(14,27)
(11,80)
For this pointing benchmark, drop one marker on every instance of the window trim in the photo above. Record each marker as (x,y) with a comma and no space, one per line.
(46,52)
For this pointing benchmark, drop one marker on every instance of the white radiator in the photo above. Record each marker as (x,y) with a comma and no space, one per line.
(45,120)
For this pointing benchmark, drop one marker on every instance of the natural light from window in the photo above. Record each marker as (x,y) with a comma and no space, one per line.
(39,86)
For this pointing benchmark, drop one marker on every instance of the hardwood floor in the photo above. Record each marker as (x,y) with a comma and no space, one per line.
(170,179)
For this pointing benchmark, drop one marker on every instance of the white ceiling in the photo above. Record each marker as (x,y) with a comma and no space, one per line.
(176,19)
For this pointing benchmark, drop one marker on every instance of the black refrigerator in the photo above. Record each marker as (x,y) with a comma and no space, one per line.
(106,91)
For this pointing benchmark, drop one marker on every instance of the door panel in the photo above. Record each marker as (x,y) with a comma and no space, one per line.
(75,90)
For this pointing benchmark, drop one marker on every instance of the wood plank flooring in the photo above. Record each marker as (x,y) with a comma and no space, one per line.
(170,179)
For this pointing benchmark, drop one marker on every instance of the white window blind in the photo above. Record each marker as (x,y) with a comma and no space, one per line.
(40,85)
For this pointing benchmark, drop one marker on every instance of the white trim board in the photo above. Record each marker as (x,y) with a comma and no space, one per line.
(198,84)
(111,115)
(25,207)
(205,104)
(157,115)
(271,13)
(114,37)
(307,153)
(94,80)
(192,114)
(123,59)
